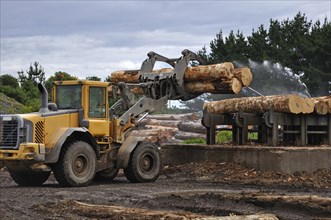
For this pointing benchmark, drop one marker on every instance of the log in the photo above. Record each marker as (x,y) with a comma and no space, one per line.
(127,76)
(181,135)
(244,75)
(204,73)
(231,86)
(175,140)
(322,104)
(137,90)
(156,139)
(189,126)
(208,72)
(164,123)
(161,128)
(154,135)
(145,132)
(288,103)
(217,78)
(279,103)
(321,107)
(177,117)
(308,105)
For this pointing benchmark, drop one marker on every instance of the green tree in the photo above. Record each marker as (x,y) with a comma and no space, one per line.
(108,79)
(317,71)
(298,44)
(217,47)
(258,44)
(58,76)
(230,47)
(34,74)
(93,78)
(203,54)
(8,80)
(277,43)
(241,47)
(29,80)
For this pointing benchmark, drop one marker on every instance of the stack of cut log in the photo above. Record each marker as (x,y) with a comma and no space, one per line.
(279,103)
(170,128)
(220,78)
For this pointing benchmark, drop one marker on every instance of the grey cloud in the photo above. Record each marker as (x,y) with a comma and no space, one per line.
(83,55)
(72,17)
(97,37)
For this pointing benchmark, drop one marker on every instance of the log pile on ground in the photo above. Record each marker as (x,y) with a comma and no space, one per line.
(220,78)
(170,128)
(279,103)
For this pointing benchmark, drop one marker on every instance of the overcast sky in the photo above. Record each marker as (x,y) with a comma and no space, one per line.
(87,38)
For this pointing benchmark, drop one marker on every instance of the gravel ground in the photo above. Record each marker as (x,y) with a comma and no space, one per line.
(188,191)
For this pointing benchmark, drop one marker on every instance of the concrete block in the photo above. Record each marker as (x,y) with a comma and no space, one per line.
(279,159)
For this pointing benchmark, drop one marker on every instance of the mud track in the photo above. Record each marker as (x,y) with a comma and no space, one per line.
(190,191)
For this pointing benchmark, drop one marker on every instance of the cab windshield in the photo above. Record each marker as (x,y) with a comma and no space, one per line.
(69,96)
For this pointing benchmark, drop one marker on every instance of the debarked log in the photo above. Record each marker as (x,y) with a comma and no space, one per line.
(190,126)
(244,75)
(181,135)
(279,103)
(230,86)
(161,128)
(176,117)
(163,123)
(127,76)
(209,72)
(308,105)
(322,105)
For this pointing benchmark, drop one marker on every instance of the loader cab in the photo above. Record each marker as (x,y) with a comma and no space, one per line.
(89,98)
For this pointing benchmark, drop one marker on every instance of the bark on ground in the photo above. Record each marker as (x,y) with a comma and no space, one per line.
(188,191)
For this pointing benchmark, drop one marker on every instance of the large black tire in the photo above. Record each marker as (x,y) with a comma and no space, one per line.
(106,175)
(76,165)
(144,164)
(29,178)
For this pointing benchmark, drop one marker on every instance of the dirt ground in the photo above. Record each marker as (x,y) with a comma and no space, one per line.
(189,191)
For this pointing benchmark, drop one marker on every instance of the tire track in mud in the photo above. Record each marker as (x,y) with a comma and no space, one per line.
(225,202)
(184,189)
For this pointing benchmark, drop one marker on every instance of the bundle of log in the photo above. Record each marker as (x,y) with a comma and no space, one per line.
(220,78)
(170,128)
(279,103)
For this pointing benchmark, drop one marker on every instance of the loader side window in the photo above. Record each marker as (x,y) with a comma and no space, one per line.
(97,102)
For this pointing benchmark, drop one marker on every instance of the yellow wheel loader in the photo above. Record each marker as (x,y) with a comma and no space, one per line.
(79,137)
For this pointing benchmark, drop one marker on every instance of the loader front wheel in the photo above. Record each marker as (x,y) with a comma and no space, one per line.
(29,178)
(76,165)
(144,164)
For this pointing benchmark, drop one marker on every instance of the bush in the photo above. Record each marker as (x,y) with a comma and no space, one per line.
(195,141)
(224,137)
(8,80)
(15,93)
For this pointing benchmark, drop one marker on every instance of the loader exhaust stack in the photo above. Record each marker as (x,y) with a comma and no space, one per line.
(44,99)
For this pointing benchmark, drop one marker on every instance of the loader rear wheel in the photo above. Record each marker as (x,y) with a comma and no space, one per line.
(106,175)
(144,164)
(76,165)
(29,178)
